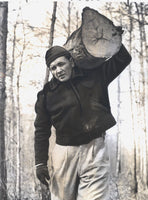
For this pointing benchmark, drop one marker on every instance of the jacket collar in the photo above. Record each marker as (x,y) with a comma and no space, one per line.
(76,72)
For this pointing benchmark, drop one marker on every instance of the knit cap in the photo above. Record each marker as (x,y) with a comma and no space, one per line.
(55,52)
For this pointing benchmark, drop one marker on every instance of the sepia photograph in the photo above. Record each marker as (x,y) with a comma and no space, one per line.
(73,100)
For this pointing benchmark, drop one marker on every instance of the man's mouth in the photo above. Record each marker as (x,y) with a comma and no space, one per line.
(61,76)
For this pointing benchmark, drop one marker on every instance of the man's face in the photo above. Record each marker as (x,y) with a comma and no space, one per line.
(61,68)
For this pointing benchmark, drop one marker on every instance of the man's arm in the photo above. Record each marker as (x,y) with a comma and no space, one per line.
(115,65)
(42,130)
(42,133)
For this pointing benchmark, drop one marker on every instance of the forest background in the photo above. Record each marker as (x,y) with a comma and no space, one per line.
(30,28)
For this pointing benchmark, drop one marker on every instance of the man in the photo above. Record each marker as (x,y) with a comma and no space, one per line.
(76,103)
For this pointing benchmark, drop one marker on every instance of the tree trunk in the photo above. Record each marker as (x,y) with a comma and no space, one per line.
(18,123)
(12,115)
(3,38)
(51,36)
(45,191)
(134,159)
(69,18)
(77,20)
(142,91)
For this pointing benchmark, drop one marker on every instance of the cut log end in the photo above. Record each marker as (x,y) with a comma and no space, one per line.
(99,35)
(95,41)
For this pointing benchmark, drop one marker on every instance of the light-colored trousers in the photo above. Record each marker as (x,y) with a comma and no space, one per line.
(79,172)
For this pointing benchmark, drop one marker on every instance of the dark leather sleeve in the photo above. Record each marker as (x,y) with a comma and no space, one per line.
(42,130)
(115,65)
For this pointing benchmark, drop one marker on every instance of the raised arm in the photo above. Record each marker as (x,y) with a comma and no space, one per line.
(115,65)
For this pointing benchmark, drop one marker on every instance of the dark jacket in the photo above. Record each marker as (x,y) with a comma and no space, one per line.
(79,108)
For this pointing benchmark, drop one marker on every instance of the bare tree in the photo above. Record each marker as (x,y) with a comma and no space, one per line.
(51,35)
(18,116)
(129,12)
(143,176)
(3,38)
(69,18)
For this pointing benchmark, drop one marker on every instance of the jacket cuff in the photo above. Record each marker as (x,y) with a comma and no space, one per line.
(40,164)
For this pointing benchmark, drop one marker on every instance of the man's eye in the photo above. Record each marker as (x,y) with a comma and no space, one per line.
(53,68)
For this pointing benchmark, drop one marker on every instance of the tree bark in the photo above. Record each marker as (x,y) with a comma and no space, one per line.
(143,176)
(132,100)
(69,18)
(51,36)
(45,192)
(3,38)
(18,120)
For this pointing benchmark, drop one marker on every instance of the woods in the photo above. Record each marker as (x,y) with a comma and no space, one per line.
(23,73)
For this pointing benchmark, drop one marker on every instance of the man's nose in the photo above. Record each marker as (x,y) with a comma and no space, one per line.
(59,69)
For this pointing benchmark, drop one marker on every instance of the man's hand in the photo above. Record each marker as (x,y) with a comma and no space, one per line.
(42,174)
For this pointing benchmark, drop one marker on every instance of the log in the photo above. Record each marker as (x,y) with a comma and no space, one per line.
(97,40)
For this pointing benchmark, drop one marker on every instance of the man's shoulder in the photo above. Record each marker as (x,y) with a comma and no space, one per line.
(51,85)
(44,90)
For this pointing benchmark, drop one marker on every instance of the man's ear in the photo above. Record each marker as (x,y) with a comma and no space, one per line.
(72,62)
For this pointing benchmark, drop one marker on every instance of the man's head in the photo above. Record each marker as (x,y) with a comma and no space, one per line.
(60,63)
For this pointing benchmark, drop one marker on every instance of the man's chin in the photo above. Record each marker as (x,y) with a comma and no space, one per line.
(63,79)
